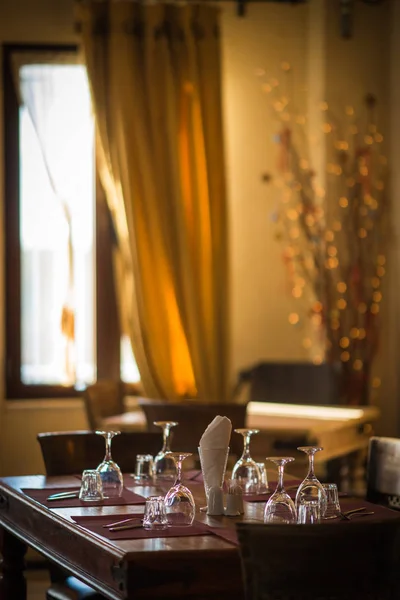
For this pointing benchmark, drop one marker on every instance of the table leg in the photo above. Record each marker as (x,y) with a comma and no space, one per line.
(12,580)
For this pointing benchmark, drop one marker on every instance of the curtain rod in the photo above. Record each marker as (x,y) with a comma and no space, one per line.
(241,4)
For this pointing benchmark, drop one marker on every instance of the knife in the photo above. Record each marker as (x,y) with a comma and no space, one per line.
(63,496)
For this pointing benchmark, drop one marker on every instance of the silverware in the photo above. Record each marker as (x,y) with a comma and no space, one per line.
(129,526)
(361,514)
(63,496)
(123,522)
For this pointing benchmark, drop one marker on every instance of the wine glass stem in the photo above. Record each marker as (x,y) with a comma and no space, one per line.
(166,432)
(246,446)
(178,472)
(108,448)
(310,474)
(279,487)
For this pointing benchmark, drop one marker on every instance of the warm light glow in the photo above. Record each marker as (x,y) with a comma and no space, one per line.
(378,138)
(375,282)
(381,260)
(344,342)
(285,66)
(376,382)
(327,413)
(354,333)
(326,128)
(293,318)
(362,308)
(374,309)
(341,304)
(345,356)
(329,236)
(357,365)
(362,334)
(337,226)
(376,296)
(343,202)
(307,343)
(341,287)
(350,182)
(349,111)
(317,307)
(332,250)
(380,271)
(368,139)
(362,233)
(324,106)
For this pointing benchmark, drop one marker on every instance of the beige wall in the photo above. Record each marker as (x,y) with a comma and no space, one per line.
(269,34)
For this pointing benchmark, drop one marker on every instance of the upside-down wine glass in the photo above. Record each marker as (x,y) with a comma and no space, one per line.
(179,502)
(110,473)
(246,471)
(164,466)
(311,488)
(280,507)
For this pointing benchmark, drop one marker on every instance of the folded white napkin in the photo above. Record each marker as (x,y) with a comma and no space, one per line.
(214,450)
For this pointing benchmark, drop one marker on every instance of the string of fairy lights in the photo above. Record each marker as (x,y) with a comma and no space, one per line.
(334,234)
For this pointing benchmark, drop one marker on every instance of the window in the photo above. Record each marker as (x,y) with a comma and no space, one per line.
(62,328)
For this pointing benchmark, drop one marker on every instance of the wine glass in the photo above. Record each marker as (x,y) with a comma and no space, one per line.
(246,471)
(110,473)
(164,466)
(280,507)
(179,502)
(311,489)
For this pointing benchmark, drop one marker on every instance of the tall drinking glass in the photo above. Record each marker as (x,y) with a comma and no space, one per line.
(311,489)
(164,466)
(179,502)
(110,473)
(280,507)
(246,471)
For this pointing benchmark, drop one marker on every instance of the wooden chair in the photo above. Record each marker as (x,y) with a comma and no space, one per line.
(383,472)
(105,398)
(321,562)
(193,419)
(70,452)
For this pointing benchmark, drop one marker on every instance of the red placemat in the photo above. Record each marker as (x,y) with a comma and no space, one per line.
(95,524)
(41,495)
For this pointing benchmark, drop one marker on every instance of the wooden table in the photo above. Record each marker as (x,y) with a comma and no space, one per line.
(169,568)
(191,568)
(342,431)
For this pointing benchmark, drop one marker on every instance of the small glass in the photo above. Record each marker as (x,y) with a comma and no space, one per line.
(164,466)
(263,487)
(280,507)
(179,502)
(91,486)
(309,512)
(110,473)
(311,488)
(144,468)
(246,471)
(154,513)
(332,501)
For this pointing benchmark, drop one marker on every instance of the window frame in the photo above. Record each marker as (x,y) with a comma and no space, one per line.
(107,345)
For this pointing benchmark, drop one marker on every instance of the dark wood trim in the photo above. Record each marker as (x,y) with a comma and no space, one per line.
(108,342)
(14,387)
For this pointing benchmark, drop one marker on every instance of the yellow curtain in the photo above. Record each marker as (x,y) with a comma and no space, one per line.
(155,79)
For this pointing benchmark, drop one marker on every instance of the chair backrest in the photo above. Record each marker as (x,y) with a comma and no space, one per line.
(332,561)
(383,471)
(292,383)
(102,399)
(193,418)
(70,452)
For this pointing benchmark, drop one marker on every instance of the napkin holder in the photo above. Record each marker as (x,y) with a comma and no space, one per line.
(213,466)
